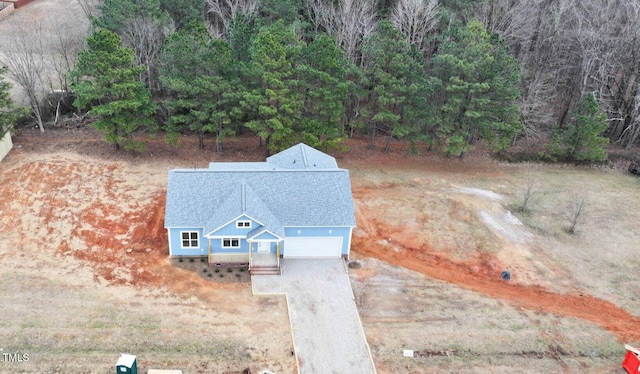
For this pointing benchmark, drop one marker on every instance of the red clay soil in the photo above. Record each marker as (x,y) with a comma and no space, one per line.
(145,254)
(106,254)
(480,276)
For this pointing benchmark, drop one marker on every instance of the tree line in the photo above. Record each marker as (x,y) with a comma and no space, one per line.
(437,74)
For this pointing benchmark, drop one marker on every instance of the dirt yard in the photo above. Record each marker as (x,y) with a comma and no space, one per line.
(572,299)
(86,275)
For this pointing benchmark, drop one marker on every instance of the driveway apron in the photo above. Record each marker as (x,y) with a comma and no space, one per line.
(327,331)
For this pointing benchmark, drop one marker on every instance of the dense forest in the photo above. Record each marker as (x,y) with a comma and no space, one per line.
(439,75)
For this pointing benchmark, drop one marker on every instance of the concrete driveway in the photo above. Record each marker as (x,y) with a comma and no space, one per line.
(327,332)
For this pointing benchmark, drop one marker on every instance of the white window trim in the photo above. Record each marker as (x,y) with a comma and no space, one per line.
(197,239)
(230,241)
(242,224)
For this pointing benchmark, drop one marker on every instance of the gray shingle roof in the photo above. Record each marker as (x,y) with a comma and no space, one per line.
(301,156)
(275,196)
(232,166)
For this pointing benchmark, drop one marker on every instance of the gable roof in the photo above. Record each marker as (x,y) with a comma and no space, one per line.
(262,232)
(301,156)
(318,194)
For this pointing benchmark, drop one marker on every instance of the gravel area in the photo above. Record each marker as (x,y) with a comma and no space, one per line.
(327,331)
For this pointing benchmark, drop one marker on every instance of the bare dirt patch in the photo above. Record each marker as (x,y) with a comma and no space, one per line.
(456,224)
(88,276)
(83,236)
(451,329)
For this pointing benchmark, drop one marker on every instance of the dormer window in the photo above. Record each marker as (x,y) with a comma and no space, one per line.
(243,224)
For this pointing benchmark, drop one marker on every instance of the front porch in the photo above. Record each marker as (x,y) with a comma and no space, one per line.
(257,260)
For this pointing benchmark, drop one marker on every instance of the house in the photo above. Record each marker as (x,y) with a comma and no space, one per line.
(297,203)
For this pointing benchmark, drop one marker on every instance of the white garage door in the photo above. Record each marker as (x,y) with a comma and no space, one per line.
(313,247)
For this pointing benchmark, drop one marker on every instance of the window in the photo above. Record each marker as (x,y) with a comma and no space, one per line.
(243,224)
(190,239)
(230,243)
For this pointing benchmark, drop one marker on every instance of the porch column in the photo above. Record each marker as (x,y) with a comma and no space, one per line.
(209,250)
(278,253)
(250,254)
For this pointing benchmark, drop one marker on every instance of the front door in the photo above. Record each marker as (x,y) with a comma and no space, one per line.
(264,247)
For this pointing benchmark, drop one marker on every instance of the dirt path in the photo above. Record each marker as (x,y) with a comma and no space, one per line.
(609,316)
(386,234)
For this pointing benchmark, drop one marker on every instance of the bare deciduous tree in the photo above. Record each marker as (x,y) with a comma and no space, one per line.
(415,19)
(223,12)
(528,192)
(631,133)
(88,7)
(576,210)
(65,41)
(567,48)
(146,37)
(348,21)
(24,56)
(523,25)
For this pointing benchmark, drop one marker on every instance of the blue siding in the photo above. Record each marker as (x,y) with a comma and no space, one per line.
(273,247)
(216,246)
(175,243)
(232,230)
(322,232)
(175,239)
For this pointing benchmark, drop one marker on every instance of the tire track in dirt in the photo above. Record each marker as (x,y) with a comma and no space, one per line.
(481,275)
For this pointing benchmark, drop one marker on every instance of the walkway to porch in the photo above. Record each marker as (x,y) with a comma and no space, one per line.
(264,263)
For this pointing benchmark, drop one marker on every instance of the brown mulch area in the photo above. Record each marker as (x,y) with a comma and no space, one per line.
(212,273)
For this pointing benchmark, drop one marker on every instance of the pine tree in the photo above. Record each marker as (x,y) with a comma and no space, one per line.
(478,90)
(582,139)
(182,12)
(197,72)
(322,73)
(105,80)
(396,78)
(274,101)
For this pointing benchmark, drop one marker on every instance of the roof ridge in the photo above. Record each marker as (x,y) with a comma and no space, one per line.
(305,162)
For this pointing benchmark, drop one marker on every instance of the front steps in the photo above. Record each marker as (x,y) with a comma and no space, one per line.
(265,270)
